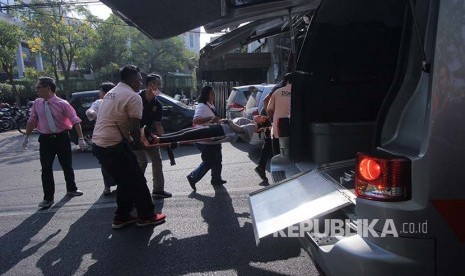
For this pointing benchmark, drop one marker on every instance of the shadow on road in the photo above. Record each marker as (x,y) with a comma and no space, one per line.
(91,247)
(15,243)
(233,242)
(253,151)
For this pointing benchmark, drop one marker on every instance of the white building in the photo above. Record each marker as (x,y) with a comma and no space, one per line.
(23,53)
(192,40)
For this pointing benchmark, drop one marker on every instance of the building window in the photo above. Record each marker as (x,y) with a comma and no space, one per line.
(191,40)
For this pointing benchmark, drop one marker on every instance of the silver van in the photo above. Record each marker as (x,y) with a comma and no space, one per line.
(370,176)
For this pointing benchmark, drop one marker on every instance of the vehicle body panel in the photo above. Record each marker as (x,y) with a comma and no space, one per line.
(235,104)
(254,104)
(215,15)
(303,197)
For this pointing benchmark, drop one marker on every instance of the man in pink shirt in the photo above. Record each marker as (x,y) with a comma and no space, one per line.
(53,117)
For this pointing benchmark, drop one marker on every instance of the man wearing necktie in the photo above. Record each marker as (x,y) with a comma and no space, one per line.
(53,117)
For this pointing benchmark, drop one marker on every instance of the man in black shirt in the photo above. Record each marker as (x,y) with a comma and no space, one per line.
(151,118)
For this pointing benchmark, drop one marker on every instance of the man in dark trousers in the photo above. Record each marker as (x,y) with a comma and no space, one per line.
(270,146)
(54,117)
(116,134)
(151,118)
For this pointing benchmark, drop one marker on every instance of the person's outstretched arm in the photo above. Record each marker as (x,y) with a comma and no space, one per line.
(235,127)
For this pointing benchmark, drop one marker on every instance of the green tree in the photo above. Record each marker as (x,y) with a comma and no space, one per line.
(163,56)
(58,35)
(121,44)
(111,43)
(9,41)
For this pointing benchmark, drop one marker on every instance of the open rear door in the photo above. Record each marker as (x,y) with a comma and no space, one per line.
(160,19)
(300,198)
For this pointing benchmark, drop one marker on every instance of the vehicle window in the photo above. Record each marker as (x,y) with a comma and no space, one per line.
(172,101)
(242,96)
(86,102)
(165,104)
(232,96)
(247,94)
(242,3)
(253,99)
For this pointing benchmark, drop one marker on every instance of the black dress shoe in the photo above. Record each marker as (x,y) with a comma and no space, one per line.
(218,182)
(191,182)
(161,194)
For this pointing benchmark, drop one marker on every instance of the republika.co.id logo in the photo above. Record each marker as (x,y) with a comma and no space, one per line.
(364,228)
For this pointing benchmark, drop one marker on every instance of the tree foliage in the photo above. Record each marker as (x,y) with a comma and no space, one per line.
(161,56)
(9,41)
(58,36)
(69,37)
(111,43)
(118,43)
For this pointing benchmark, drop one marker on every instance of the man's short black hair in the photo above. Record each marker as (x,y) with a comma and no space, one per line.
(152,77)
(107,86)
(129,73)
(48,82)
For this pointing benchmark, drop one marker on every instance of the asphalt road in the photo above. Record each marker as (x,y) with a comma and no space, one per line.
(206,233)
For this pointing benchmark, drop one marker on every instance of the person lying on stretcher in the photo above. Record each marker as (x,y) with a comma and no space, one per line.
(225,131)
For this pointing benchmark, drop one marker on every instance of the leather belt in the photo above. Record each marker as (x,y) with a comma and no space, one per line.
(54,135)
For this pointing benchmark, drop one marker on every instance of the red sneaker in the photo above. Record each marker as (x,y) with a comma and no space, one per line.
(155,220)
(121,223)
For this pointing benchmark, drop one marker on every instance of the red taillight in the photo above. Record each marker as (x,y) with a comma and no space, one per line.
(385,178)
(369,169)
(236,107)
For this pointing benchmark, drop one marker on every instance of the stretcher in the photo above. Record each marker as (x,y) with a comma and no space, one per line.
(212,140)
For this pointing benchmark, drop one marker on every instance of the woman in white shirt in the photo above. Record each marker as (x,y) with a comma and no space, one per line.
(205,114)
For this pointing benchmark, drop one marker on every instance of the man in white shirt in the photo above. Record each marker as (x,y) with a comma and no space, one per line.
(91,114)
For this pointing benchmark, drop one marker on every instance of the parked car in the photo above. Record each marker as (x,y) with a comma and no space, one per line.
(176,115)
(235,104)
(81,101)
(254,104)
